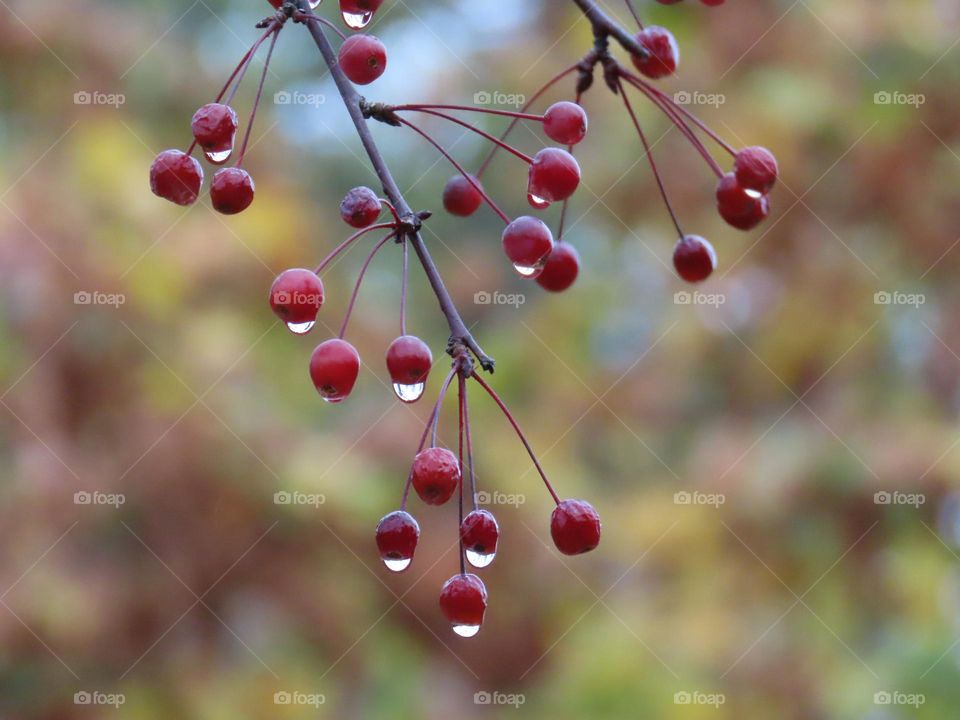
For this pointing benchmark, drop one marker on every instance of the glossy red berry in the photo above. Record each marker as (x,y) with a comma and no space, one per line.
(363,58)
(663,53)
(694,258)
(461,197)
(177,177)
(296,297)
(565,122)
(360,207)
(742,208)
(357,13)
(756,169)
(561,268)
(397,536)
(554,176)
(436,473)
(463,601)
(231,191)
(480,534)
(214,127)
(334,367)
(575,527)
(409,361)
(528,242)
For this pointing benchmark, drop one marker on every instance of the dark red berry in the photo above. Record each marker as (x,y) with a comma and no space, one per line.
(480,534)
(756,169)
(357,13)
(565,122)
(436,473)
(214,127)
(561,268)
(663,53)
(296,297)
(461,197)
(334,367)
(177,177)
(397,536)
(231,191)
(363,58)
(694,258)
(554,176)
(360,207)
(463,601)
(528,242)
(575,527)
(409,361)
(742,208)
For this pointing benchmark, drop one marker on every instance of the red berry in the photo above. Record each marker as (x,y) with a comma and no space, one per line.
(756,169)
(480,534)
(357,13)
(694,258)
(463,601)
(436,473)
(360,207)
(664,55)
(561,269)
(177,177)
(460,197)
(214,127)
(409,361)
(276,3)
(565,122)
(575,527)
(231,191)
(528,242)
(296,297)
(742,208)
(554,176)
(334,367)
(363,58)
(397,536)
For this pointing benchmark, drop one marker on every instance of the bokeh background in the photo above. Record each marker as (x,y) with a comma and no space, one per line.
(781,399)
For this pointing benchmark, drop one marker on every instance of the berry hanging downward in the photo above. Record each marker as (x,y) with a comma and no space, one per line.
(177,177)
(480,533)
(554,176)
(397,536)
(664,53)
(296,297)
(334,367)
(363,58)
(575,527)
(463,601)
(409,361)
(461,197)
(528,242)
(231,191)
(436,474)
(214,128)
(694,258)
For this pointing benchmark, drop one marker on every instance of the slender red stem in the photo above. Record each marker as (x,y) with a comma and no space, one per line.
(356,288)
(566,202)
(460,168)
(495,140)
(349,241)
(256,101)
(633,12)
(391,208)
(523,438)
(403,287)
(466,429)
(462,394)
(304,17)
(468,108)
(436,418)
(426,431)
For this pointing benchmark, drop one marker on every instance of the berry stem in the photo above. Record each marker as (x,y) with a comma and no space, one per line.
(566,202)
(241,70)
(466,429)
(523,438)
(462,397)
(356,288)
(256,100)
(495,140)
(404,281)
(304,17)
(459,167)
(633,12)
(349,241)
(518,115)
(653,163)
(426,431)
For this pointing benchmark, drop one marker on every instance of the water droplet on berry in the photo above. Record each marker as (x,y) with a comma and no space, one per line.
(332,400)
(301,328)
(528,271)
(466,630)
(396,565)
(218,158)
(357,21)
(755,194)
(537,202)
(408,393)
(479,560)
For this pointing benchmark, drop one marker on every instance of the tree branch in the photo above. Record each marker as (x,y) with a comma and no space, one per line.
(606,27)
